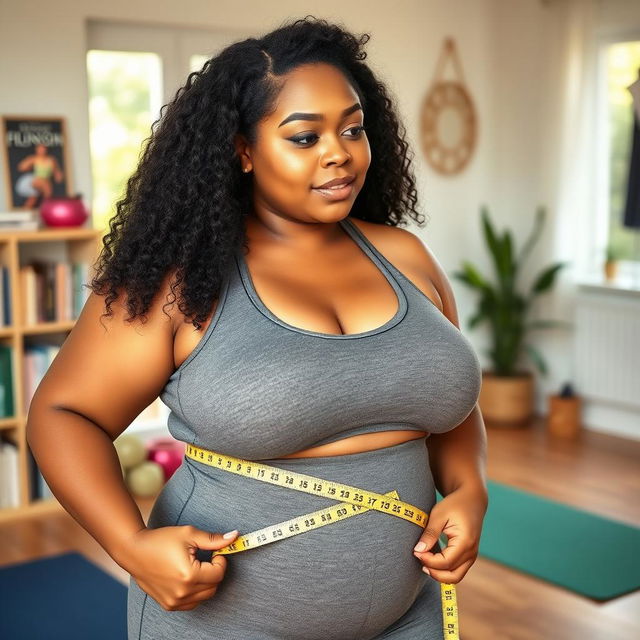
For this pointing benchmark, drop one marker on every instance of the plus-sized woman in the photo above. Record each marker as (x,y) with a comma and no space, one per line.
(257,279)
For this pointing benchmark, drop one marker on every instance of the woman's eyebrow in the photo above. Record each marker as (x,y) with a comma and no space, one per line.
(318,116)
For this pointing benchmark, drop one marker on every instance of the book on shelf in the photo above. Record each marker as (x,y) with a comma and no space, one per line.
(19,215)
(19,220)
(9,480)
(6,381)
(53,291)
(30,225)
(5,297)
(39,488)
(36,362)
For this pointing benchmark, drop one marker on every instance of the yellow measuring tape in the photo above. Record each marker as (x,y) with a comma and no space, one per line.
(353,501)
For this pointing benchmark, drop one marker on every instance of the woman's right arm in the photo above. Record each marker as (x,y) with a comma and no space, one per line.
(105,373)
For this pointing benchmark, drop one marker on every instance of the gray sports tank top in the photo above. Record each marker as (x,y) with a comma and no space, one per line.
(257,387)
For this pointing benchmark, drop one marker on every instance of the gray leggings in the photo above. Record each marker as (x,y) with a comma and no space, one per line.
(355,579)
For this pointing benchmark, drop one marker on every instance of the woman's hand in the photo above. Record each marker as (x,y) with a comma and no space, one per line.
(459,515)
(164,564)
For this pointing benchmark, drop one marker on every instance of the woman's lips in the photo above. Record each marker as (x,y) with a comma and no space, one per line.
(336,193)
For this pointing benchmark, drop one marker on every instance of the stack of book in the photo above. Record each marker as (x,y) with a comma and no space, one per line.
(24,220)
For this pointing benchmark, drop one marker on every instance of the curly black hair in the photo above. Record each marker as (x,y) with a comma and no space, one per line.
(183,208)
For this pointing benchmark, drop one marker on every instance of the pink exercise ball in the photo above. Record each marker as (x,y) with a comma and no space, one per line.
(168,453)
(64,212)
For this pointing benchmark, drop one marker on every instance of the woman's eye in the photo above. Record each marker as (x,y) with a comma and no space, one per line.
(301,139)
(359,130)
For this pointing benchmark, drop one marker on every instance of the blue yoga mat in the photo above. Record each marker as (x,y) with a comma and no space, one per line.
(63,597)
(575,549)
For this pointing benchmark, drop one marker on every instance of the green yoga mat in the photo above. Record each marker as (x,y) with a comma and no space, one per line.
(586,553)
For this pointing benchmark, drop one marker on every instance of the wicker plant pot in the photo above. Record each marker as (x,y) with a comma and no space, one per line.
(507,401)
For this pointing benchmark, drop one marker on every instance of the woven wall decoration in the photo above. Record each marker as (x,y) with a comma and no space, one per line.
(448,118)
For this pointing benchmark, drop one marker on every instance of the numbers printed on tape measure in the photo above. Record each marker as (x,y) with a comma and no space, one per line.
(353,501)
(310,484)
(293,527)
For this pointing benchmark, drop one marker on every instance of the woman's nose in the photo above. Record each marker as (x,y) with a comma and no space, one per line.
(335,153)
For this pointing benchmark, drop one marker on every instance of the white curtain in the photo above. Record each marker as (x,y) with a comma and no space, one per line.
(577,160)
(570,154)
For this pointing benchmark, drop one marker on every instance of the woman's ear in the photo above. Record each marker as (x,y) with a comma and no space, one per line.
(242,151)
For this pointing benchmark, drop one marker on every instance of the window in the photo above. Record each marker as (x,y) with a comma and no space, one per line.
(132,70)
(622,65)
(125,89)
(196,62)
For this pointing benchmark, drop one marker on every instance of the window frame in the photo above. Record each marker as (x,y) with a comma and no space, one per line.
(605,37)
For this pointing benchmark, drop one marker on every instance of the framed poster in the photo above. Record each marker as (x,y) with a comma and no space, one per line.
(36,159)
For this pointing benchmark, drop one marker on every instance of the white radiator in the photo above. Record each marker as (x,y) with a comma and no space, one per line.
(608,348)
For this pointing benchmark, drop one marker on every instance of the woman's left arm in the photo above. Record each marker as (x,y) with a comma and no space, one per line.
(458,457)
(457,460)
(458,465)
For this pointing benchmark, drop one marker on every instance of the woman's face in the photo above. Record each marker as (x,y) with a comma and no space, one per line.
(314,135)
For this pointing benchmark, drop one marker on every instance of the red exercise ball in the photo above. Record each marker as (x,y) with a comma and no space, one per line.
(168,453)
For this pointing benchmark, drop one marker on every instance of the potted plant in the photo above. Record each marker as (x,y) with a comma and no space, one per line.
(612,255)
(506,396)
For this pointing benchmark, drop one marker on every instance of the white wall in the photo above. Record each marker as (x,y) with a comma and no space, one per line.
(506,49)
(42,46)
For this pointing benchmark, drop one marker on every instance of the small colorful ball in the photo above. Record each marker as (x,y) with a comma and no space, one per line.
(146,479)
(130,449)
(168,453)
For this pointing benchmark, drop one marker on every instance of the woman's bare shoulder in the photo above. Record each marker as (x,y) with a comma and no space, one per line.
(408,253)
(111,367)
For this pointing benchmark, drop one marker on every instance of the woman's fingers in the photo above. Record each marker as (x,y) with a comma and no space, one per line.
(197,598)
(451,557)
(451,577)
(210,573)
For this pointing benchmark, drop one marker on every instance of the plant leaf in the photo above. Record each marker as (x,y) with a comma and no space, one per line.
(471,276)
(536,358)
(538,223)
(546,278)
(508,267)
(495,246)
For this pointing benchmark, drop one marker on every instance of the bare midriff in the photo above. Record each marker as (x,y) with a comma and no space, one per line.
(358,444)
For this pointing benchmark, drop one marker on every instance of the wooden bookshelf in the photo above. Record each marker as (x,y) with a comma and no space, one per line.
(72,244)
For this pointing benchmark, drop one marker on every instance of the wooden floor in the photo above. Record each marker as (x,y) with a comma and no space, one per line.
(598,473)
